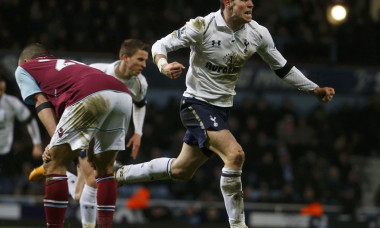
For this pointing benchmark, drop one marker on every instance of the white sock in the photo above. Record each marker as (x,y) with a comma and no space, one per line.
(156,169)
(230,185)
(72,182)
(88,207)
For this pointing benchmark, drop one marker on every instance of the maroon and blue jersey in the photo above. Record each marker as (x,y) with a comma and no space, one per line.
(63,81)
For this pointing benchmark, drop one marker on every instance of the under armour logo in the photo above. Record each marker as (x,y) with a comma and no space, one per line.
(213,119)
(213,42)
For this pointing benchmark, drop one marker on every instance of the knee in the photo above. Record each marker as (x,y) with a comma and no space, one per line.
(53,167)
(104,165)
(180,173)
(236,156)
(102,170)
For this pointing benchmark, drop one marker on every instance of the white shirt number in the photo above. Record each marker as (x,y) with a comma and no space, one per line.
(62,63)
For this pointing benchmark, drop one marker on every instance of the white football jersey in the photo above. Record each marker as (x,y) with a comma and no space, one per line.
(217,55)
(138,87)
(10,109)
(136,84)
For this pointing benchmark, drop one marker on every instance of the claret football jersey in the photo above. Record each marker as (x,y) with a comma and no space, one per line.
(63,81)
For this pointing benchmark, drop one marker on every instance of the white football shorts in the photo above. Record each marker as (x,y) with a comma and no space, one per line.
(103,115)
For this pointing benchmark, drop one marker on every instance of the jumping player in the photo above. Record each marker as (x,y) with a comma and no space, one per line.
(220,44)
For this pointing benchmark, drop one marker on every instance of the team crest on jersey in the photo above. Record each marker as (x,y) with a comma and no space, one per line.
(230,59)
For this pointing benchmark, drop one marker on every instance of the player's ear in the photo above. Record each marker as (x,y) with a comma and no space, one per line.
(125,57)
(21,61)
(227,4)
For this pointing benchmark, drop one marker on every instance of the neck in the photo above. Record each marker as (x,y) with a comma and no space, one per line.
(121,71)
(231,22)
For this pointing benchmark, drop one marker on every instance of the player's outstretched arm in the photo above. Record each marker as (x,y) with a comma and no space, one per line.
(324,94)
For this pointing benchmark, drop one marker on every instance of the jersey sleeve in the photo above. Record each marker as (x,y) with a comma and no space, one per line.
(144,87)
(28,86)
(22,112)
(268,51)
(138,114)
(34,131)
(189,34)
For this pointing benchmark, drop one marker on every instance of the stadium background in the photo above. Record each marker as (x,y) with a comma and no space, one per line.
(298,151)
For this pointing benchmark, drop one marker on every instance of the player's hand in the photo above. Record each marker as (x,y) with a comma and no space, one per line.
(46,155)
(135,141)
(172,70)
(324,94)
(37,151)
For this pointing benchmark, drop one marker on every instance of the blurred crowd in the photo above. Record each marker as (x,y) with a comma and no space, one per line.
(298,26)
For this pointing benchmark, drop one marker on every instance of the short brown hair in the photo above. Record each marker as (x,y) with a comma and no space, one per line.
(222,4)
(33,51)
(130,46)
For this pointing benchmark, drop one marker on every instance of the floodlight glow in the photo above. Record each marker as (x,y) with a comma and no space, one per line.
(338,12)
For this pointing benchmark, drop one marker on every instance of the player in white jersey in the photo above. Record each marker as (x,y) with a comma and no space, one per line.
(220,44)
(12,108)
(133,56)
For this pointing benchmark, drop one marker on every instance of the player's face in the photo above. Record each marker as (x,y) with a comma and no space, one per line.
(137,62)
(242,10)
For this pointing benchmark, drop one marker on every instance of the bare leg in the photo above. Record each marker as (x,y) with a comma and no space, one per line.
(225,145)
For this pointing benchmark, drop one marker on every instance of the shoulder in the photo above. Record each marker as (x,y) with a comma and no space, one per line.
(201,23)
(261,33)
(19,71)
(100,65)
(255,27)
(108,68)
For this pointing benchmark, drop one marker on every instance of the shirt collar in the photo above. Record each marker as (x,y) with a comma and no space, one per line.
(220,22)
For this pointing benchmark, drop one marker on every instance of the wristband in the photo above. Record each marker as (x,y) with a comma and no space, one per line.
(160,63)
